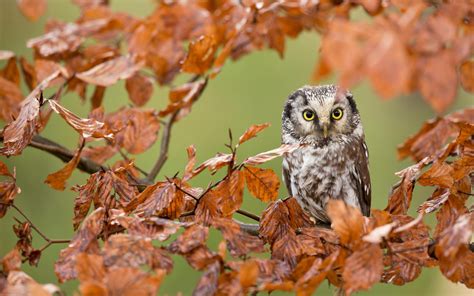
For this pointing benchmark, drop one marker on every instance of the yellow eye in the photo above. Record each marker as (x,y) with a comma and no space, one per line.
(308,115)
(337,114)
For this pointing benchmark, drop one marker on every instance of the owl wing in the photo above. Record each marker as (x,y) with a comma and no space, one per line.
(362,178)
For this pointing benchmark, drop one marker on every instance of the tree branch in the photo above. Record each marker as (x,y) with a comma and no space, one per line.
(44,144)
(163,156)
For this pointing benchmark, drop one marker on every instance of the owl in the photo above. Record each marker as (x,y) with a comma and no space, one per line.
(333,160)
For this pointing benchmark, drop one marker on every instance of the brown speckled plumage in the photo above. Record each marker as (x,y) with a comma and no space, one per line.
(335,166)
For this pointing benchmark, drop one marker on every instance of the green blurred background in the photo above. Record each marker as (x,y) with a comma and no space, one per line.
(249,91)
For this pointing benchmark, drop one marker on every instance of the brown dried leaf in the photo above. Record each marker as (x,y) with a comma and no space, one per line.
(85,240)
(401,194)
(11,261)
(123,250)
(207,285)
(19,283)
(215,163)
(433,135)
(200,55)
(312,277)
(438,80)
(363,268)
(10,99)
(99,154)
(111,71)
(8,189)
(262,183)
(467,76)
(269,155)
(183,97)
(346,221)
(193,237)
(86,127)
(58,179)
(64,38)
(239,242)
(188,170)
(139,88)
(162,199)
(252,132)
(29,73)
(32,9)
(440,174)
(10,72)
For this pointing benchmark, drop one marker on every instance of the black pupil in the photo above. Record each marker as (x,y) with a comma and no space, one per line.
(309,114)
(337,113)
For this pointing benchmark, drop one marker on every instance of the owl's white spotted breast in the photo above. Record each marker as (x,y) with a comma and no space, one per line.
(316,174)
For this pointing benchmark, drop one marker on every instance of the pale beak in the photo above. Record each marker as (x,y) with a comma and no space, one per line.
(325,126)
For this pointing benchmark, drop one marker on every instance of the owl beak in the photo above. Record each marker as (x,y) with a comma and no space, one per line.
(325,126)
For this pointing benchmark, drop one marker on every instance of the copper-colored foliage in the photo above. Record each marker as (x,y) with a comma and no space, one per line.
(363,268)
(262,183)
(200,55)
(96,279)
(110,72)
(18,133)
(346,221)
(239,243)
(252,132)
(433,135)
(139,88)
(8,189)
(86,127)
(162,199)
(84,241)
(136,129)
(123,250)
(32,9)
(269,155)
(407,46)
(58,179)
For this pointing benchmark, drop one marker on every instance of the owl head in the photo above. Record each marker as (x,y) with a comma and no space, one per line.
(317,114)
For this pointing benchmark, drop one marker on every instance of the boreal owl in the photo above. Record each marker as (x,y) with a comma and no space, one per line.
(332,161)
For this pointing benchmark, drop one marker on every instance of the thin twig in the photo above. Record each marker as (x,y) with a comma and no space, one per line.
(35,228)
(163,156)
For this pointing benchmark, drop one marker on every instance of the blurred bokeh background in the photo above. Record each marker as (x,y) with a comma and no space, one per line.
(249,91)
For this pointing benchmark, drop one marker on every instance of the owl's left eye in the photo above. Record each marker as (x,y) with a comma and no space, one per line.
(337,114)
(308,115)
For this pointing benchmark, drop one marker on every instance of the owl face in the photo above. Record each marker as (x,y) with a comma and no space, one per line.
(316,114)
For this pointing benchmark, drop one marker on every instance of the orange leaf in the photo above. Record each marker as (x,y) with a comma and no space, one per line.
(346,221)
(86,127)
(139,88)
(363,268)
(58,179)
(18,134)
(467,76)
(200,55)
(262,183)
(269,155)
(32,9)
(111,71)
(252,132)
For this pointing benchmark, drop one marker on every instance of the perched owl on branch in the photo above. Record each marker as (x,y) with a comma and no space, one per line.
(333,162)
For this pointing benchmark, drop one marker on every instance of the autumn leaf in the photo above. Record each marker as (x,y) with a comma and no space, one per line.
(85,240)
(8,189)
(239,242)
(32,9)
(467,79)
(110,72)
(207,285)
(262,183)
(269,155)
(86,127)
(188,170)
(139,88)
(363,268)
(252,132)
(162,199)
(200,55)
(58,179)
(215,163)
(346,221)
